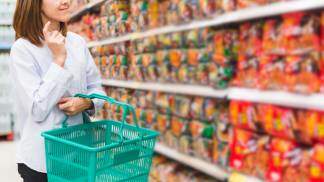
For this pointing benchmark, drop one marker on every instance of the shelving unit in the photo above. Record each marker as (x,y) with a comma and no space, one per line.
(169,88)
(231,17)
(5,22)
(4,47)
(200,165)
(86,8)
(313,101)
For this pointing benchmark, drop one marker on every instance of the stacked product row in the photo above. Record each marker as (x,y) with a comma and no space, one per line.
(119,17)
(283,53)
(164,170)
(266,141)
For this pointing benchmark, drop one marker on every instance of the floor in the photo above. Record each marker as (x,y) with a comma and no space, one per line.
(8,167)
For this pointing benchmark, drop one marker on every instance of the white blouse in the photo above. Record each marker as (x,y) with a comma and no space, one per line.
(39,84)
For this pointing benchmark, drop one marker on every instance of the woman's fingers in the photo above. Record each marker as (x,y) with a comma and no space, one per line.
(66,106)
(46,31)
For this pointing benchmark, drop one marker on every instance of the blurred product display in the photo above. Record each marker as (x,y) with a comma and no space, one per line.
(264,73)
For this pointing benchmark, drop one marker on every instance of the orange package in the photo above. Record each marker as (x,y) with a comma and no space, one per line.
(288,162)
(299,33)
(249,153)
(278,121)
(317,164)
(243,114)
(302,73)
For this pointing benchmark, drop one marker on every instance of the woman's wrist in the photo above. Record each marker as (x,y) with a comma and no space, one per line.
(88,104)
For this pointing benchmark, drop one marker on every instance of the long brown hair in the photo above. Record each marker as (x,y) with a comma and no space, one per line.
(28,23)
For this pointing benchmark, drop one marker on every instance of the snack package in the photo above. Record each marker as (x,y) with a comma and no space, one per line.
(299,33)
(316,169)
(162,102)
(202,134)
(220,149)
(250,3)
(196,110)
(176,59)
(277,121)
(181,106)
(302,73)
(310,127)
(245,152)
(272,73)
(179,128)
(153,14)
(210,112)
(250,51)
(163,124)
(202,75)
(288,162)
(271,37)
(243,114)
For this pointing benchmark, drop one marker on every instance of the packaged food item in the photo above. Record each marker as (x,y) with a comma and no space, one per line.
(196,110)
(316,169)
(202,134)
(153,14)
(288,162)
(278,121)
(243,114)
(310,127)
(181,106)
(163,124)
(243,147)
(220,152)
(202,75)
(210,110)
(302,73)
(272,72)
(250,51)
(173,15)
(299,33)
(250,3)
(271,44)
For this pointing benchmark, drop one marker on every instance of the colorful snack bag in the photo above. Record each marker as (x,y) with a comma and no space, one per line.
(243,114)
(202,134)
(278,121)
(250,3)
(196,110)
(287,162)
(316,169)
(176,59)
(272,73)
(243,147)
(299,33)
(302,73)
(220,151)
(181,106)
(271,37)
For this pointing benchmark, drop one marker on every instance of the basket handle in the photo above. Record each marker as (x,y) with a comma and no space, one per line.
(126,109)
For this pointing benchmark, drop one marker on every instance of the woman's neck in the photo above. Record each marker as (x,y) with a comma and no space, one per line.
(55,25)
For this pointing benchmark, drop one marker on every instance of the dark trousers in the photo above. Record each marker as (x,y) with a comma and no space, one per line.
(30,175)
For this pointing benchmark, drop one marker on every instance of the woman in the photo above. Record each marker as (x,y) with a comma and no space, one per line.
(49,65)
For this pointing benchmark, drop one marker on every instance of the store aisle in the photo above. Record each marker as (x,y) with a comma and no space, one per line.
(8,168)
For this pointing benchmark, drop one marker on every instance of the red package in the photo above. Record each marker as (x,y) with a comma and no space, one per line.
(277,121)
(313,126)
(317,164)
(247,151)
(288,163)
(243,114)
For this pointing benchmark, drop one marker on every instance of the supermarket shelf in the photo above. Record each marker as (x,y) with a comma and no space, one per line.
(313,101)
(86,8)
(193,162)
(231,17)
(169,88)
(5,46)
(5,22)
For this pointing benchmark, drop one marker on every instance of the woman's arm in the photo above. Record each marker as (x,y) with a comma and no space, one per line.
(39,94)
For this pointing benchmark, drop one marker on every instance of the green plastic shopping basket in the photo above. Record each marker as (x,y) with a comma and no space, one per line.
(102,151)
